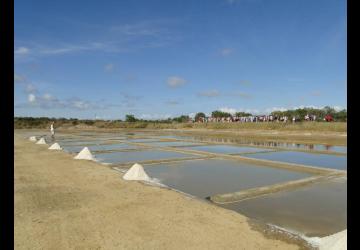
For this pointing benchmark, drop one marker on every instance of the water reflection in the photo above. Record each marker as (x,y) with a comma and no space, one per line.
(321,147)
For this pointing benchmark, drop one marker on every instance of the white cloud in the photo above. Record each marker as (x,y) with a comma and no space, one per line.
(175,81)
(80,105)
(226,51)
(228,110)
(48,101)
(144,28)
(307,106)
(253,111)
(31,98)
(73,48)
(48,97)
(21,51)
(269,110)
(118,39)
(234,110)
(30,88)
(109,67)
(210,93)
(338,108)
(60,49)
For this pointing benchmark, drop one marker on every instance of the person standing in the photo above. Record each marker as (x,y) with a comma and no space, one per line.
(52,130)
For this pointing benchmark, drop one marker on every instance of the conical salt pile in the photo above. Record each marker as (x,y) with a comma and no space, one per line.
(41,141)
(84,154)
(334,242)
(136,173)
(32,138)
(55,146)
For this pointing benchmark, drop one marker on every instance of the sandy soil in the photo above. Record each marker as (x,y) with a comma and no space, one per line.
(61,203)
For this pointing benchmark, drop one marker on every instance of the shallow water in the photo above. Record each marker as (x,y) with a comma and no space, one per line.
(79,142)
(276,144)
(177,137)
(143,140)
(172,143)
(118,146)
(318,160)
(204,178)
(138,156)
(318,210)
(225,149)
(340,149)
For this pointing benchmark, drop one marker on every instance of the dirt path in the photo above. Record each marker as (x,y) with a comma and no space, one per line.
(61,203)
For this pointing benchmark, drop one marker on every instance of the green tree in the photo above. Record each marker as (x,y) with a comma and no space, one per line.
(199,115)
(329,111)
(341,116)
(219,114)
(242,114)
(181,119)
(130,118)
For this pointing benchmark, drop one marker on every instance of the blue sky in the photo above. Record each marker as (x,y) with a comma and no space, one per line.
(158,59)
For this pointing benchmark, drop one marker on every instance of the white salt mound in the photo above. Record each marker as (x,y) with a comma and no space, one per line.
(336,241)
(84,154)
(41,141)
(55,146)
(32,138)
(136,173)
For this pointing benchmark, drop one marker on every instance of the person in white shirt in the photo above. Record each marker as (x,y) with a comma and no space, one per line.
(52,130)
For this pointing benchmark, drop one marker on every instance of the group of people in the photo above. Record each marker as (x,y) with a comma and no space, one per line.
(310,117)
(259,118)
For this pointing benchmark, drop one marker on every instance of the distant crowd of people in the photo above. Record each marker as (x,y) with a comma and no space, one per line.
(260,118)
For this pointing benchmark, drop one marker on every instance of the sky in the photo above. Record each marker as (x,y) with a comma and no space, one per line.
(158,59)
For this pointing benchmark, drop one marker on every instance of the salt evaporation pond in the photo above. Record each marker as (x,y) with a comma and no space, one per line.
(275,144)
(203,178)
(340,149)
(318,147)
(318,160)
(177,137)
(225,149)
(315,211)
(138,156)
(172,143)
(104,147)
(140,140)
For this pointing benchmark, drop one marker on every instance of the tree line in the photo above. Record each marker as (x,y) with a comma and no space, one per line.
(299,114)
(43,122)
